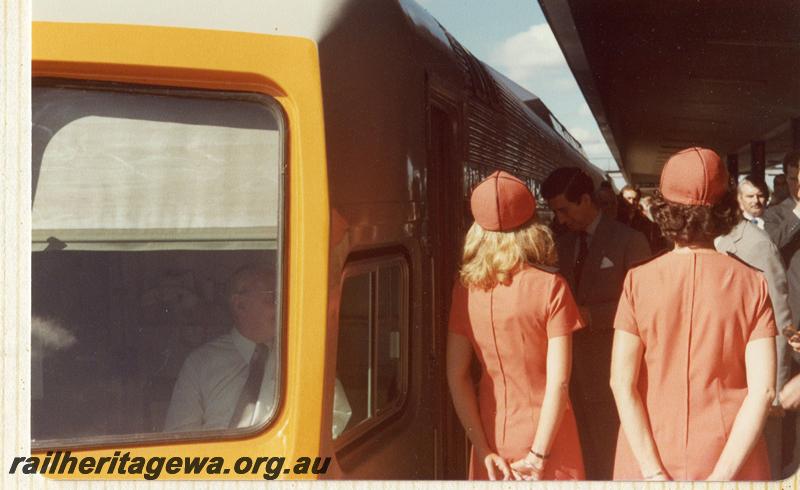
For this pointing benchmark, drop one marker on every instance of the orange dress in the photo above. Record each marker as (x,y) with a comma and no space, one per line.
(508,327)
(694,312)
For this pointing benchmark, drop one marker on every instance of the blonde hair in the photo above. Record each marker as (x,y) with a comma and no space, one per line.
(492,257)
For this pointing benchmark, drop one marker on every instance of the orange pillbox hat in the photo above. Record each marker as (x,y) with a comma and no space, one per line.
(502,202)
(694,176)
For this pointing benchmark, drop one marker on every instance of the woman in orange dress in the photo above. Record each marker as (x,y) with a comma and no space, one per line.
(517,316)
(693,362)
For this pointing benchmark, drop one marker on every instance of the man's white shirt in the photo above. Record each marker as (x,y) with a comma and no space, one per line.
(211,381)
(756,221)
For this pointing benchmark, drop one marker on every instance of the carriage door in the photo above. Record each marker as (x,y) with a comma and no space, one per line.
(444,240)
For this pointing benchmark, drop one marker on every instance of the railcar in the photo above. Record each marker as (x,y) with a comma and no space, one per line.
(337,141)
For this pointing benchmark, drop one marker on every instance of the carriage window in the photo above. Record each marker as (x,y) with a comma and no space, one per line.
(154,212)
(370,362)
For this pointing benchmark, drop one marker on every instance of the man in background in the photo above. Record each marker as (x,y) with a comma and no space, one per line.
(632,214)
(606,200)
(631,195)
(782,224)
(780,190)
(752,194)
(753,246)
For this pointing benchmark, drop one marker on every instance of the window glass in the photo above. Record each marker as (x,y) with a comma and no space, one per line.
(390,316)
(117,167)
(154,212)
(372,338)
(353,357)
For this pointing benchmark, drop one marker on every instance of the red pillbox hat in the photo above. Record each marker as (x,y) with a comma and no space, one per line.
(694,176)
(502,202)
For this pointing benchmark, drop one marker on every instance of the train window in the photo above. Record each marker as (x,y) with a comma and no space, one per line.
(390,313)
(373,327)
(353,357)
(156,223)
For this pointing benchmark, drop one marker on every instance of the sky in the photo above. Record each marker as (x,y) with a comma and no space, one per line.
(514,38)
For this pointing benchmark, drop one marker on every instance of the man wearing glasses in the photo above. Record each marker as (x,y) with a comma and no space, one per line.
(747,242)
(229,382)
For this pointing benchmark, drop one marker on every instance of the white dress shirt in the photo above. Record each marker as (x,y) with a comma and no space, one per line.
(756,221)
(211,381)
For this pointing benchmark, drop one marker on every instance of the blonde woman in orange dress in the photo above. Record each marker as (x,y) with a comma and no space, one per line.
(693,362)
(517,316)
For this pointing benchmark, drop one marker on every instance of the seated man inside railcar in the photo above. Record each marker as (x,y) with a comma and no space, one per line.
(230,380)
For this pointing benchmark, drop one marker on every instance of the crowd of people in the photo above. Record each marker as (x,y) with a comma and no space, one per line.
(636,338)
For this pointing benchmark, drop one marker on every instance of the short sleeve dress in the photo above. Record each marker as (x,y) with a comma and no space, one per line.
(694,312)
(509,327)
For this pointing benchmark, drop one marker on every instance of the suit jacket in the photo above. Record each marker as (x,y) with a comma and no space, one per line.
(783,228)
(754,247)
(614,249)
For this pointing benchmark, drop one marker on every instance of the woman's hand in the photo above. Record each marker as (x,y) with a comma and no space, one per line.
(528,469)
(794,342)
(496,467)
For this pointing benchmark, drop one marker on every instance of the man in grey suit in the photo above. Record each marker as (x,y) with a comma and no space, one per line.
(747,242)
(782,224)
(594,256)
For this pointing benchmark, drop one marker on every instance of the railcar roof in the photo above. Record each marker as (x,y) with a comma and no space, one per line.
(311,19)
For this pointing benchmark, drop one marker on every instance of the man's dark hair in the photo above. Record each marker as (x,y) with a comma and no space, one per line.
(570,181)
(685,224)
(791,159)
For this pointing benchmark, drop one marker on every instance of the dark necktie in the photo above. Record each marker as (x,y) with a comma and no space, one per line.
(583,249)
(252,386)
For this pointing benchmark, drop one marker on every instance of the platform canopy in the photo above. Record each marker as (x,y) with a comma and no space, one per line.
(660,76)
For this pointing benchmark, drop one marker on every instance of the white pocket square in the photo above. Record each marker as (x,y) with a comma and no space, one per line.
(606,263)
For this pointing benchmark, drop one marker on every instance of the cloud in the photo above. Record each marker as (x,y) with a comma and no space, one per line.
(581,134)
(594,145)
(533,59)
(528,51)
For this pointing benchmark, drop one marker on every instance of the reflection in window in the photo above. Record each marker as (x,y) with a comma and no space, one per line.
(372,331)
(145,205)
